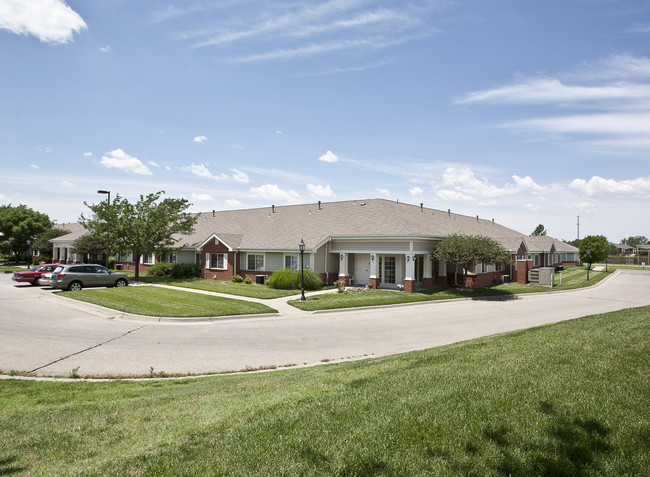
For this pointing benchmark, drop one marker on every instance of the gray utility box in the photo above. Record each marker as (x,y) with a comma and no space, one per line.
(542,276)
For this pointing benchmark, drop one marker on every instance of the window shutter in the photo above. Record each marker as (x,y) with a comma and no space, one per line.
(207,260)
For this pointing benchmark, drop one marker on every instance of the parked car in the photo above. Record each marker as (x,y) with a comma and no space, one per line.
(38,275)
(74,277)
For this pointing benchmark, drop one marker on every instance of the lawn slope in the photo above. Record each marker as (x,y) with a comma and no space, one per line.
(564,400)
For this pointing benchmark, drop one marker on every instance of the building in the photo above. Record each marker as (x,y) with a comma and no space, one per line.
(376,243)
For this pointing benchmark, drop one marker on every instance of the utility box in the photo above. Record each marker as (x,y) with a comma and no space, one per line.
(542,276)
(260,279)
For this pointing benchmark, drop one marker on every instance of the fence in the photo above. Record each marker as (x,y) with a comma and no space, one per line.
(638,261)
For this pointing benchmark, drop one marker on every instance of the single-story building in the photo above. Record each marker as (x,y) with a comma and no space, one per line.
(376,243)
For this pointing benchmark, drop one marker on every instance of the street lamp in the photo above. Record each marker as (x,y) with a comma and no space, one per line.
(301,246)
(109,204)
(588,262)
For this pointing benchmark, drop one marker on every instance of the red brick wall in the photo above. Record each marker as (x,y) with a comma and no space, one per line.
(523,266)
(409,286)
(210,273)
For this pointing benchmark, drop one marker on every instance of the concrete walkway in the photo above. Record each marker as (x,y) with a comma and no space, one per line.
(50,336)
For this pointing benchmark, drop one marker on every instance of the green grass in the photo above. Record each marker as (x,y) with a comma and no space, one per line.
(572,278)
(157,301)
(239,289)
(569,399)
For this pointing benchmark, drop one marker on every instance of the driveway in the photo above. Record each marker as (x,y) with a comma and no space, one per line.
(51,336)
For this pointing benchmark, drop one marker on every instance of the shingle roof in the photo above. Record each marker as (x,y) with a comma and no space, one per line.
(75,230)
(282,227)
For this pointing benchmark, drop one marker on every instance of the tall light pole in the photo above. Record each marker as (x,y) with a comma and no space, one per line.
(588,262)
(109,204)
(301,246)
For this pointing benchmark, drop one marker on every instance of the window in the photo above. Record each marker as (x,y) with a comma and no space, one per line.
(536,262)
(255,262)
(292,262)
(219,261)
(147,258)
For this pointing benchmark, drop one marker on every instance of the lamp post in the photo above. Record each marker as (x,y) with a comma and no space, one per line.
(301,246)
(109,204)
(588,262)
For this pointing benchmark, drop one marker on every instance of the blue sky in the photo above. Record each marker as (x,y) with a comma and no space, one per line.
(525,112)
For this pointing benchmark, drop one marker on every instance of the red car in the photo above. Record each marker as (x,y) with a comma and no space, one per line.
(38,275)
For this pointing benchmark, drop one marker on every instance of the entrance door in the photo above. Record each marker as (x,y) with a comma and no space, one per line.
(361,269)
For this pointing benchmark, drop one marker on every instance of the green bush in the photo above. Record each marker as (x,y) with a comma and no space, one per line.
(111,263)
(287,279)
(160,269)
(185,270)
(248,281)
(237,279)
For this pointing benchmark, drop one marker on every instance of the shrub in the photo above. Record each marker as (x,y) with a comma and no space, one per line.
(248,281)
(237,279)
(185,270)
(287,279)
(111,263)
(160,269)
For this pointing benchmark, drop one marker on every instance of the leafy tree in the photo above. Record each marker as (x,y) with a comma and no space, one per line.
(539,231)
(92,243)
(635,241)
(469,250)
(144,227)
(20,224)
(598,247)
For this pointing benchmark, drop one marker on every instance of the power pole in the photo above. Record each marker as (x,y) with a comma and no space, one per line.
(578,227)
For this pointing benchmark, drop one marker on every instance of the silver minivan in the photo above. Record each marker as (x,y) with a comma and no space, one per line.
(76,276)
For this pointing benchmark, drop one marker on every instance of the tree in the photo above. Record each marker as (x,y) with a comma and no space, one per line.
(144,227)
(21,224)
(598,247)
(635,241)
(539,231)
(468,250)
(92,243)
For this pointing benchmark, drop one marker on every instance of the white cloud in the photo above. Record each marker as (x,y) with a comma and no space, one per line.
(201,171)
(598,186)
(321,192)
(239,176)
(277,131)
(273,192)
(329,156)
(586,208)
(168,168)
(527,184)
(68,184)
(153,164)
(533,207)
(416,192)
(118,159)
(233,203)
(34,166)
(88,154)
(463,180)
(105,49)
(201,197)
(383,192)
(51,21)
(200,139)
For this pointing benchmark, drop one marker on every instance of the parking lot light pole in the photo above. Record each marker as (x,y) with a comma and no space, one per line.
(588,262)
(301,246)
(109,204)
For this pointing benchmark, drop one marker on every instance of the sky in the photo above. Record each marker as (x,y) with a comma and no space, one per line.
(525,112)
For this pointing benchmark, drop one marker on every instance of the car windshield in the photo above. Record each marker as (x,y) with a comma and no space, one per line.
(33,269)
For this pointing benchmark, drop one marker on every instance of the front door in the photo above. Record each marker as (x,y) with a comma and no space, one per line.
(361,269)
(387,271)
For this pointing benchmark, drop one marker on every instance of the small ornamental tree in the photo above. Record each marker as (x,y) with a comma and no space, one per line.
(598,247)
(539,231)
(469,250)
(144,227)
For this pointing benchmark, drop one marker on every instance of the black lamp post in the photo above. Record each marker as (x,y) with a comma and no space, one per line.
(109,203)
(588,262)
(301,246)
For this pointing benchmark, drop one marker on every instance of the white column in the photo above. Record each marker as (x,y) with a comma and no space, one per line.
(343,265)
(410,267)
(426,271)
(373,265)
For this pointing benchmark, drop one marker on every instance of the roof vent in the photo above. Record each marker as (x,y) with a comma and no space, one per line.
(273,209)
(319,205)
(421,207)
(477,218)
(449,212)
(213,212)
(492,221)
(362,204)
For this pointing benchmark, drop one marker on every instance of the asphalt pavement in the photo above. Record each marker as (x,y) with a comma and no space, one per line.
(47,335)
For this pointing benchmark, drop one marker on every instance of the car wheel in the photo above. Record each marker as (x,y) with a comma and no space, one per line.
(33,282)
(75,286)
(121,283)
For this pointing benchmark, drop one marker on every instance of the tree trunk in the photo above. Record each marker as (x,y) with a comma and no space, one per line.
(137,265)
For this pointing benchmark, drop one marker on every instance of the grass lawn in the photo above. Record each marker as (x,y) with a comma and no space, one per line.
(569,399)
(575,277)
(239,289)
(155,301)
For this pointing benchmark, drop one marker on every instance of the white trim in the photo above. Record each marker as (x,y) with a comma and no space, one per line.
(217,239)
(225,261)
